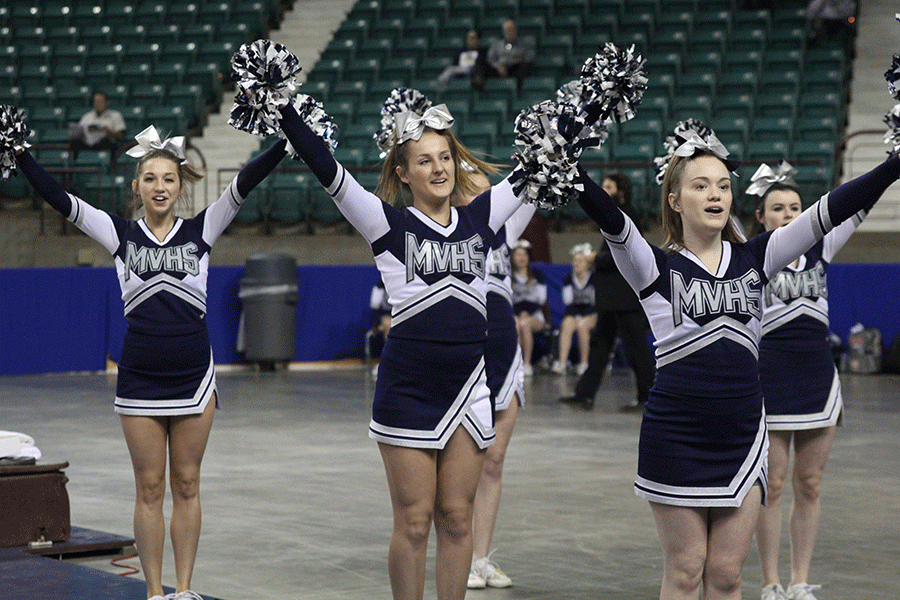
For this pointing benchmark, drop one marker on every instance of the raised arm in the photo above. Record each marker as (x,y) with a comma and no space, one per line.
(220,213)
(841,204)
(633,255)
(94,222)
(364,210)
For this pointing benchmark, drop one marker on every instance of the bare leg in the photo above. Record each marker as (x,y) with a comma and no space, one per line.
(187,444)
(768,530)
(146,441)
(566,331)
(412,480)
(526,337)
(459,465)
(487,499)
(730,533)
(683,535)
(585,325)
(811,448)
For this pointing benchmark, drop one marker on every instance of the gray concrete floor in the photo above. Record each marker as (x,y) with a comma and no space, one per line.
(295,504)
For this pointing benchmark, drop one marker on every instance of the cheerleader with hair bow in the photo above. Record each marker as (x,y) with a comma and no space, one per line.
(166,385)
(702,462)
(799,379)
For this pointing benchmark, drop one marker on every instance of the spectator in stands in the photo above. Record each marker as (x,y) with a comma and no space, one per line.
(471,59)
(529,296)
(101,128)
(507,57)
(829,19)
(619,315)
(581,312)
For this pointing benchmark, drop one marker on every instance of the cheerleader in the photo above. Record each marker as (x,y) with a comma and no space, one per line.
(799,379)
(580,315)
(703,442)
(166,385)
(505,379)
(529,298)
(432,415)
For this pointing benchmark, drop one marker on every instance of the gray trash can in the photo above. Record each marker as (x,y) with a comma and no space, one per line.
(269,297)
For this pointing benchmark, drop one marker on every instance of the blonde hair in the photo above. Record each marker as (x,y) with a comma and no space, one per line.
(186,174)
(393,191)
(673,228)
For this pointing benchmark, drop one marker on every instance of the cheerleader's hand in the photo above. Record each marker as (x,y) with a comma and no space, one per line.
(13,133)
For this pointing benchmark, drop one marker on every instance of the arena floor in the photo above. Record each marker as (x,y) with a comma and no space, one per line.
(295,504)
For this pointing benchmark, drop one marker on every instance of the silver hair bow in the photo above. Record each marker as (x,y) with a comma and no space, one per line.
(584,248)
(694,142)
(765,177)
(148,140)
(410,126)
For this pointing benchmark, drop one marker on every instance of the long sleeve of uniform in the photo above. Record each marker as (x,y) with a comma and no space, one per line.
(358,206)
(517,223)
(633,255)
(839,205)
(96,223)
(218,215)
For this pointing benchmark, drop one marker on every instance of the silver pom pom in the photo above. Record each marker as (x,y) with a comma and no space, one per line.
(893,75)
(265,75)
(552,135)
(400,100)
(574,93)
(313,114)
(892,135)
(13,131)
(615,79)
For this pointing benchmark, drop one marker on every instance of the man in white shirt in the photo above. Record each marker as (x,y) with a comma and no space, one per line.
(99,129)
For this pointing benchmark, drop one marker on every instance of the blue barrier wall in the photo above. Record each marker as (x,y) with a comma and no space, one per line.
(70,319)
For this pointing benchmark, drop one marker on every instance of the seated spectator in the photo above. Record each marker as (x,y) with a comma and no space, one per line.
(99,129)
(529,297)
(470,59)
(830,19)
(508,57)
(581,311)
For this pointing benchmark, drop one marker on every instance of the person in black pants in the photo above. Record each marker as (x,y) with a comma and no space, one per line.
(619,313)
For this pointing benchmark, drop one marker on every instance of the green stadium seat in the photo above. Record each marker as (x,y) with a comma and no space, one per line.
(62,36)
(644,152)
(164,33)
(363,69)
(134,73)
(319,90)
(777,104)
(562,44)
(198,32)
(398,9)
(747,39)
(822,149)
(817,129)
(412,47)
(149,94)
(47,117)
(120,12)
(487,110)
(356,29)
(820,105)
(354,91)
(735,82)
(426,27)
(387,28)
(697,83)
(344,49)
(183,14)
(458,24)
(727,106)
(732,130)
(708,40)
(576,8)
(381,89)
(540,8)
(366,10)
(741,60)
(771,128)
(169,120)
(349,156)
(380,47)
(670,41)
(342,111)
(331,70)
(768,151)
(87,14)
(668,63)
(550,65)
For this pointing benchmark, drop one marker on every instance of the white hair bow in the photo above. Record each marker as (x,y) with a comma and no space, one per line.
(410,126)
(584,248)
(148,140)
(694,143)
(765,177)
